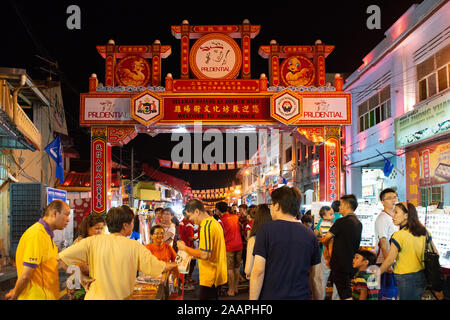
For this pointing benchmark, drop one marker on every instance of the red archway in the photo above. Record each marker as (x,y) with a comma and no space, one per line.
(134,101)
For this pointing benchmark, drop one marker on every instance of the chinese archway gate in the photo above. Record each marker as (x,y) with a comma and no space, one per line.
(215,87)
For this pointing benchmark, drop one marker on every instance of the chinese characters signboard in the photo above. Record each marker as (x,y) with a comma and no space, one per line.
(288,107)
(315,167)
(100,180)
(216,109)
(333,174)
(427,166)
(330,165)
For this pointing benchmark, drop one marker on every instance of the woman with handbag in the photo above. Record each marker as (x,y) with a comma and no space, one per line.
(408,250)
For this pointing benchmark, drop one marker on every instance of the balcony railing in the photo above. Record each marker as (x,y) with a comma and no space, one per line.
(23,123)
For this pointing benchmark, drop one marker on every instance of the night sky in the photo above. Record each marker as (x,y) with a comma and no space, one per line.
(33,28)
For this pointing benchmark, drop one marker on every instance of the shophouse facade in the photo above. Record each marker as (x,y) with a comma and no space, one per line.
(402,73)
(32,115)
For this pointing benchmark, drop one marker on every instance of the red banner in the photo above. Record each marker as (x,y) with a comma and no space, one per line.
(315,167)
(332,168)
(99,183)
(217,109)
(82,208)
(426,165)
(175,165)
(412,165)
(229,86)
(210,166)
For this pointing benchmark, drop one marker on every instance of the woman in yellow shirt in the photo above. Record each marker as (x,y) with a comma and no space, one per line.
(407,250)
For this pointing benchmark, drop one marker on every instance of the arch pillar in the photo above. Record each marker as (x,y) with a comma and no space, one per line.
(100,170)
(330,165)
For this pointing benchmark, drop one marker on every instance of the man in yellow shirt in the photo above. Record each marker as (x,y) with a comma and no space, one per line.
(114,259)
(212,264)
(37,266)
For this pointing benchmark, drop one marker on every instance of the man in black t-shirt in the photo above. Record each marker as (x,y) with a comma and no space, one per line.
(344,237)
(287,255)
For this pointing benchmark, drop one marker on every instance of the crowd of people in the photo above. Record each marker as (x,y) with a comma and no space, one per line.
(281,252)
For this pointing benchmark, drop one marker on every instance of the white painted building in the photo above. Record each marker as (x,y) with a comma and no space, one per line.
(388,84)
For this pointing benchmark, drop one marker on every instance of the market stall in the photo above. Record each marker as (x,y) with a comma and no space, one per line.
(166,287)
(437,222)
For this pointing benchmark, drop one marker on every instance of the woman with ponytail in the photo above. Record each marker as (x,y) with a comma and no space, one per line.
(407,250)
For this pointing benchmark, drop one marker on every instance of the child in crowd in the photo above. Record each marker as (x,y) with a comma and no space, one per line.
(326,221)
(307,220)
(362,289)
(327,218)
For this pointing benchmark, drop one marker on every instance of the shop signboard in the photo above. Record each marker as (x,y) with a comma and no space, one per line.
(311,108)
(100,108)
(427,166)
(56,194)
(149,195)
(435,164)
(62,238)
(315,167)
(425,121)
(329,108)
(412,177)
(367,191)
(367,214)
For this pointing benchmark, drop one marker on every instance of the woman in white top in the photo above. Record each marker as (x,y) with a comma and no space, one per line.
(262,215)
(169,227)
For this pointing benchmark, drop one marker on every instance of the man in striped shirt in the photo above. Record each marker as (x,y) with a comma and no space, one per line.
(211,253)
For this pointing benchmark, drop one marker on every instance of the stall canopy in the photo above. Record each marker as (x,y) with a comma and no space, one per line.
(83,179)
